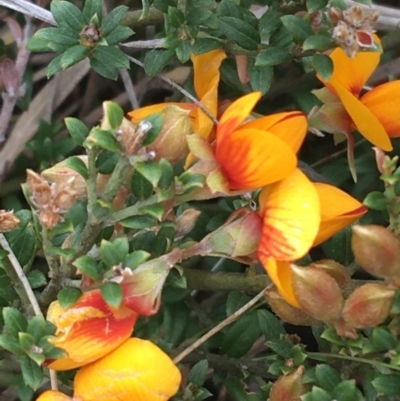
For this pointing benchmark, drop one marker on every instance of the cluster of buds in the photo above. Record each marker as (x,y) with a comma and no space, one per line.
(320,290)
(50,200)
(353,28)
(8,221)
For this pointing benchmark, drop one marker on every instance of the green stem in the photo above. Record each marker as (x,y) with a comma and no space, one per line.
(134,209)
(133,20)
(118,177)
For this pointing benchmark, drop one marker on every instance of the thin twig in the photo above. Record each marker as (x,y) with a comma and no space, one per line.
(218,328)
(145,44)
(21,275)
(180,89)
(129,88)
(29,9)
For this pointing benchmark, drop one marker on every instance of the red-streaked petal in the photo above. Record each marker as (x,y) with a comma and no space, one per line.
(352,73)
(282,276)
(88,330)
(383,102)
(251,158)
(338,210)
(136,371)
(52,395)
(291,127)
(139,114)
(365,121)
(236,113)
(291,217)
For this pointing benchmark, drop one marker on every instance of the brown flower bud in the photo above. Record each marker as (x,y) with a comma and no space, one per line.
(49,219)
(377,250)
(38,188)
(64,199)
(171,143)
(335,270)
(317,293)
(287,312)
(368,306)
(289,387)
(344,330)
(8,221)
(186,221)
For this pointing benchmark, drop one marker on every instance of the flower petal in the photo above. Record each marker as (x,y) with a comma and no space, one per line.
(88,330)
(138,370)
(291,217)
(383,102)
(365,121)
(352,73)
(338,210)
(235,114)
(53,395)
(252,158)
(282,276)
(290,127)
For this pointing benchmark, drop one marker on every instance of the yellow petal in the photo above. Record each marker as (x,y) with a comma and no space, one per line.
(338,210)
(136,371)
(291,217)
(366,123)
(282,276)
(251,158)
(236,113)
(383,102)
(139,114)
(52,395)
(352,73)
(290,127)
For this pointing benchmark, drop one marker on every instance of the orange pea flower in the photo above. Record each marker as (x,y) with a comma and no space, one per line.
(375,114)
(88,330)
(298,215)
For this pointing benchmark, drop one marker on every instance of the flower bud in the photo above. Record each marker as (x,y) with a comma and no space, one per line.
(368,306)
(289,387)
(186,221)
(317,293)
(171,143)
(377,250)
(8,221)
(287,312)
(335,270)
(38,188)
(53,395)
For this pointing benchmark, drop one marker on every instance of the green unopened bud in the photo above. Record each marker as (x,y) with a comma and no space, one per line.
(171,143)
(335,270)
(368,306)
(289,387)
(377,250)
(287,312)
(317,293)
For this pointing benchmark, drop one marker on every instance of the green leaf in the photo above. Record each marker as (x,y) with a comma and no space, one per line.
(11,344)
(150,170)
(113,114)
(37,328)
(175,17)
(341,247)
(140,186)
(118,35)
(93,8)
(104,69)
(299,28)
(67,14)
(112,294)
(37,45)
(26,340)
(346,390)
(78,165)
(382,339)
(318,394)
(68,296)
(240,32)
(205,45)
(145,9)
(36,279)
(236,389)
(103,139)
(54,66)
(154,210)
(111,55)
(14,321)
(106,162)
(191,181)
(270,325)
(139,222)
(272,56)
(183,51)
(88,266)
(318,42)
(269,23)
(375,200)
(315,5)
(31,372)
(155,60)
(156,120)
(327,377)
(73,55)
(102,210)
(323,66)
(62,36)
(110,253)
(198,373)
(113,19)
(24,246)
(136,258)
(77,129)
(167,174)
(387,384)
(261,78)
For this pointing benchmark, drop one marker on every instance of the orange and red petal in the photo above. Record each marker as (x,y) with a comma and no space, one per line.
(138,370)
(383,102)
(236,114)
(290,127)
(364,120)
(338,210)
(352,73)
(281,274)
(251,158)
(53,395)
(291,217)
